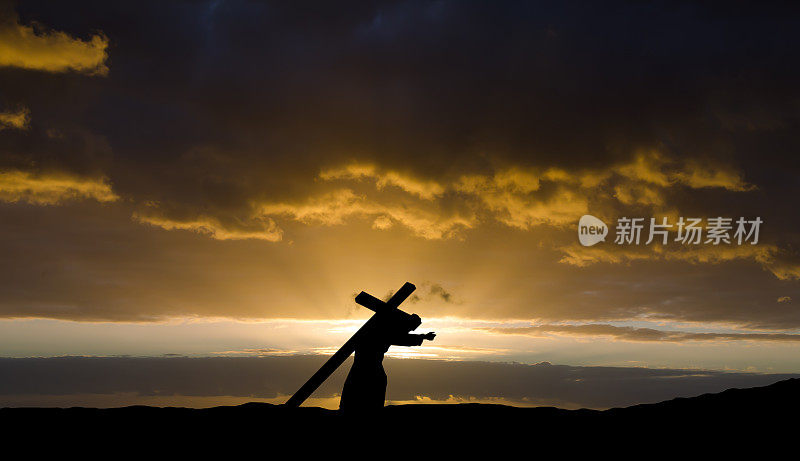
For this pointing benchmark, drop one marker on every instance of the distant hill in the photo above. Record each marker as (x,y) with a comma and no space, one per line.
(748,410)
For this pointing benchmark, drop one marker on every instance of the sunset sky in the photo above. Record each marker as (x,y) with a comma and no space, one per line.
(221,178)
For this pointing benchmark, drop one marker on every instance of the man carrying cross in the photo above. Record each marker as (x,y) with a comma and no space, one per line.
(365,387)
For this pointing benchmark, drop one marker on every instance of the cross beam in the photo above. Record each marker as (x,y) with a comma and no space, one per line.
(327,369)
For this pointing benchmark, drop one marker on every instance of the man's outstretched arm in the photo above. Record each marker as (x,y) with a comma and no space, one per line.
(410,339)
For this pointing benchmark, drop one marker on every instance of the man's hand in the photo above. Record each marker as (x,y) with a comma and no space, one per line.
(429,336)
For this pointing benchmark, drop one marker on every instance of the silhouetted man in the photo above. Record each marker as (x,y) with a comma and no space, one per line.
(365,386)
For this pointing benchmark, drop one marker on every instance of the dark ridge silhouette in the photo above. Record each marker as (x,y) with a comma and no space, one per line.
(460,426)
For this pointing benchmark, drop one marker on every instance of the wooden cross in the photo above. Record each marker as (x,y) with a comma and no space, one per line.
(370,302)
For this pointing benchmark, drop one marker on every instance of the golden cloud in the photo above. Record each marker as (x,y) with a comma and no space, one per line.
(18,119)
(580,256)
(638,194)
(33,47)
(510,196)
(517,197)
(514,210)
(784,270)
(427,190)
(256,229)
(51,189)
(698,176)
(521,198)
(647,167)
(335,207)
(655,168)
(764,254)
(770,257)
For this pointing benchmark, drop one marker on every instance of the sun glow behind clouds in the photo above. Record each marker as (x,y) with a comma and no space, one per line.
(557,343)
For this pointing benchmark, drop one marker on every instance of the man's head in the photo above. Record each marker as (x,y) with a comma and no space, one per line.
(403,321)
(413,322)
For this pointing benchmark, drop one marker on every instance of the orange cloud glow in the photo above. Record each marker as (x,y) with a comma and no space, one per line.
(35,48)
(51,189)
(17,119)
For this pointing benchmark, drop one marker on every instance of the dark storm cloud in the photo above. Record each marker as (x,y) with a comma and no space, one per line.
(546,384)
(211,105)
